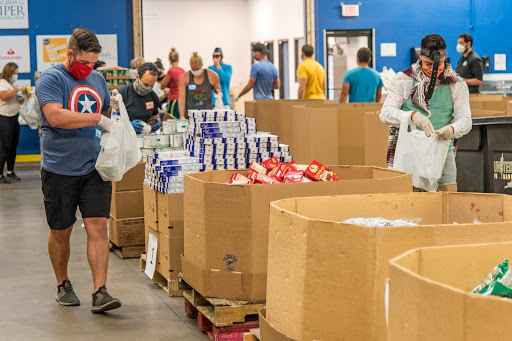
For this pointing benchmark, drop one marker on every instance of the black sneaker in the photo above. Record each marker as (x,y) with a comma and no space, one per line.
(4,180)
(13,177)
(102,301)
(66,295)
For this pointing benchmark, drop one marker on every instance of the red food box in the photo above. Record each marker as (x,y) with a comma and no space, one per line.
(318,172)
(270,163)
(278,172)
(238,177)
(293,177)
(258,168)
(265,179)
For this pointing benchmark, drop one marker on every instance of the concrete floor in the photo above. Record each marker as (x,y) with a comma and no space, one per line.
(28,310)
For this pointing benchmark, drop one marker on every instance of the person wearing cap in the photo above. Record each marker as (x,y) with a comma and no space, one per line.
(224,71)
(470,66)
(440,108)
(264,76)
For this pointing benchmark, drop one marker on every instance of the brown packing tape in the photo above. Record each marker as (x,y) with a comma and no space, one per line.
(268,332)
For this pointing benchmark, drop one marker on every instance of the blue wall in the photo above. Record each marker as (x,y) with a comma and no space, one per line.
(52,17)
(406,22)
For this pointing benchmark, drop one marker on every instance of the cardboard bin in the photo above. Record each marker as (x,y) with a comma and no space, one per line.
(226,226)
(275,116)
(327,279)
(430,295)
(340,134)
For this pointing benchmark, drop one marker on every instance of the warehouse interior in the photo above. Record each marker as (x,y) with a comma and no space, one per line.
(237,216)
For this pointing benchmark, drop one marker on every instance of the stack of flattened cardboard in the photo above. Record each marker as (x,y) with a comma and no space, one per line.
(163,215)
(126,223)
(226,226)
(327,279)
(340,134)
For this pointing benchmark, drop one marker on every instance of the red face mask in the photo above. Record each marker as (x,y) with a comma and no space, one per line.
(79,70)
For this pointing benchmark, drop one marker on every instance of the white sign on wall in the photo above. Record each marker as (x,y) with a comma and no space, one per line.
(52,49)
(13,14)
(388,49)
(15,49)
(500,62)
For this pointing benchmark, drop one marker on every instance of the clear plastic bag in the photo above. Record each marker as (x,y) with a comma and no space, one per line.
(30,111)
(119,152)
(381,222)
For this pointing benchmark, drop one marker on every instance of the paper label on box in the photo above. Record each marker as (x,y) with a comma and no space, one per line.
(151,256)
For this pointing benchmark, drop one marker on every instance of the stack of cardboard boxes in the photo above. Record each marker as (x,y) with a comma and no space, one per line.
(126,223)
(163,215)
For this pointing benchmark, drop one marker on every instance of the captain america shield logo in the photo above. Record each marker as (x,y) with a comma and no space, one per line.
(84,99)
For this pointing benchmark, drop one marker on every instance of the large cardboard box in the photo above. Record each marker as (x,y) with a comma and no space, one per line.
(147,231)
(489,102)
(170,214)
(133,180)
(327,279)
(479,113)
(226,226)
(127,204)
(151,207)
(126,232)
(169,253)
(276,116)
(340,134)
(430,295)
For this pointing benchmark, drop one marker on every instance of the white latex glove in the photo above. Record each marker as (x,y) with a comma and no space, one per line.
(445,133)
(236,98)
(113,100)
(106,123)
(423,123)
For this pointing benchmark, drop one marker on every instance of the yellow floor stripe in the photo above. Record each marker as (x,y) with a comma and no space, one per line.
(28,158)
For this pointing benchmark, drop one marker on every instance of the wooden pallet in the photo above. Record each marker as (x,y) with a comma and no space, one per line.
(171,286)
(222,312)
(127,251)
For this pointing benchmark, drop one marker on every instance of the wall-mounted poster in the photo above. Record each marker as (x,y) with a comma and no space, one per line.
(13,14)
(15,49)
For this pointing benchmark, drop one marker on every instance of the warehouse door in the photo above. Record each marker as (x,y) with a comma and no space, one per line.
(341,48)
(284,70)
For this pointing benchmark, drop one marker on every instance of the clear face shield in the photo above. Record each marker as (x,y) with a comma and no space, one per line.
(436,57)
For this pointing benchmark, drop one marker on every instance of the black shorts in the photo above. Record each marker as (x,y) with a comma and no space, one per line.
(63,193)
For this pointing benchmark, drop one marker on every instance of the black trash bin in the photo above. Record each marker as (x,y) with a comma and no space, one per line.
(484,157)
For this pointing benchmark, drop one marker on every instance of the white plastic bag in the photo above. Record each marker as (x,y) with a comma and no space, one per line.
(422,156)
(219,104)
(119,152)
(30,111)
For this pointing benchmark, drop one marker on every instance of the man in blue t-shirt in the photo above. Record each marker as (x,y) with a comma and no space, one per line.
(362,84)
(74,102)
(224,71)
(264,77)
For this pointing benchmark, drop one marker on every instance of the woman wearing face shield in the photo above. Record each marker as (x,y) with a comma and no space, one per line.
(440,108)
(196,87)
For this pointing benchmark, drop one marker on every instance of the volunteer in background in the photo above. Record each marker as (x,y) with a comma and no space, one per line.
(470,66)
(161,93)
(362,84)
(171,81)
(264,77)
(449,104)
(9,126)
(224,71)
(140,100)
(134,65)
(311,75)
(196,87)
(74,99)
(99,63)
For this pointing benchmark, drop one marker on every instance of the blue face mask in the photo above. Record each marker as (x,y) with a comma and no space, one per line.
(14,78)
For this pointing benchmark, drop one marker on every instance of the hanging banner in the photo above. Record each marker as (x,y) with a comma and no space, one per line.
(52,50)
(15,49)
(13,14)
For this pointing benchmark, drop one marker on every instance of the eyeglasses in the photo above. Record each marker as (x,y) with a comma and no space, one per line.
(217,56)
